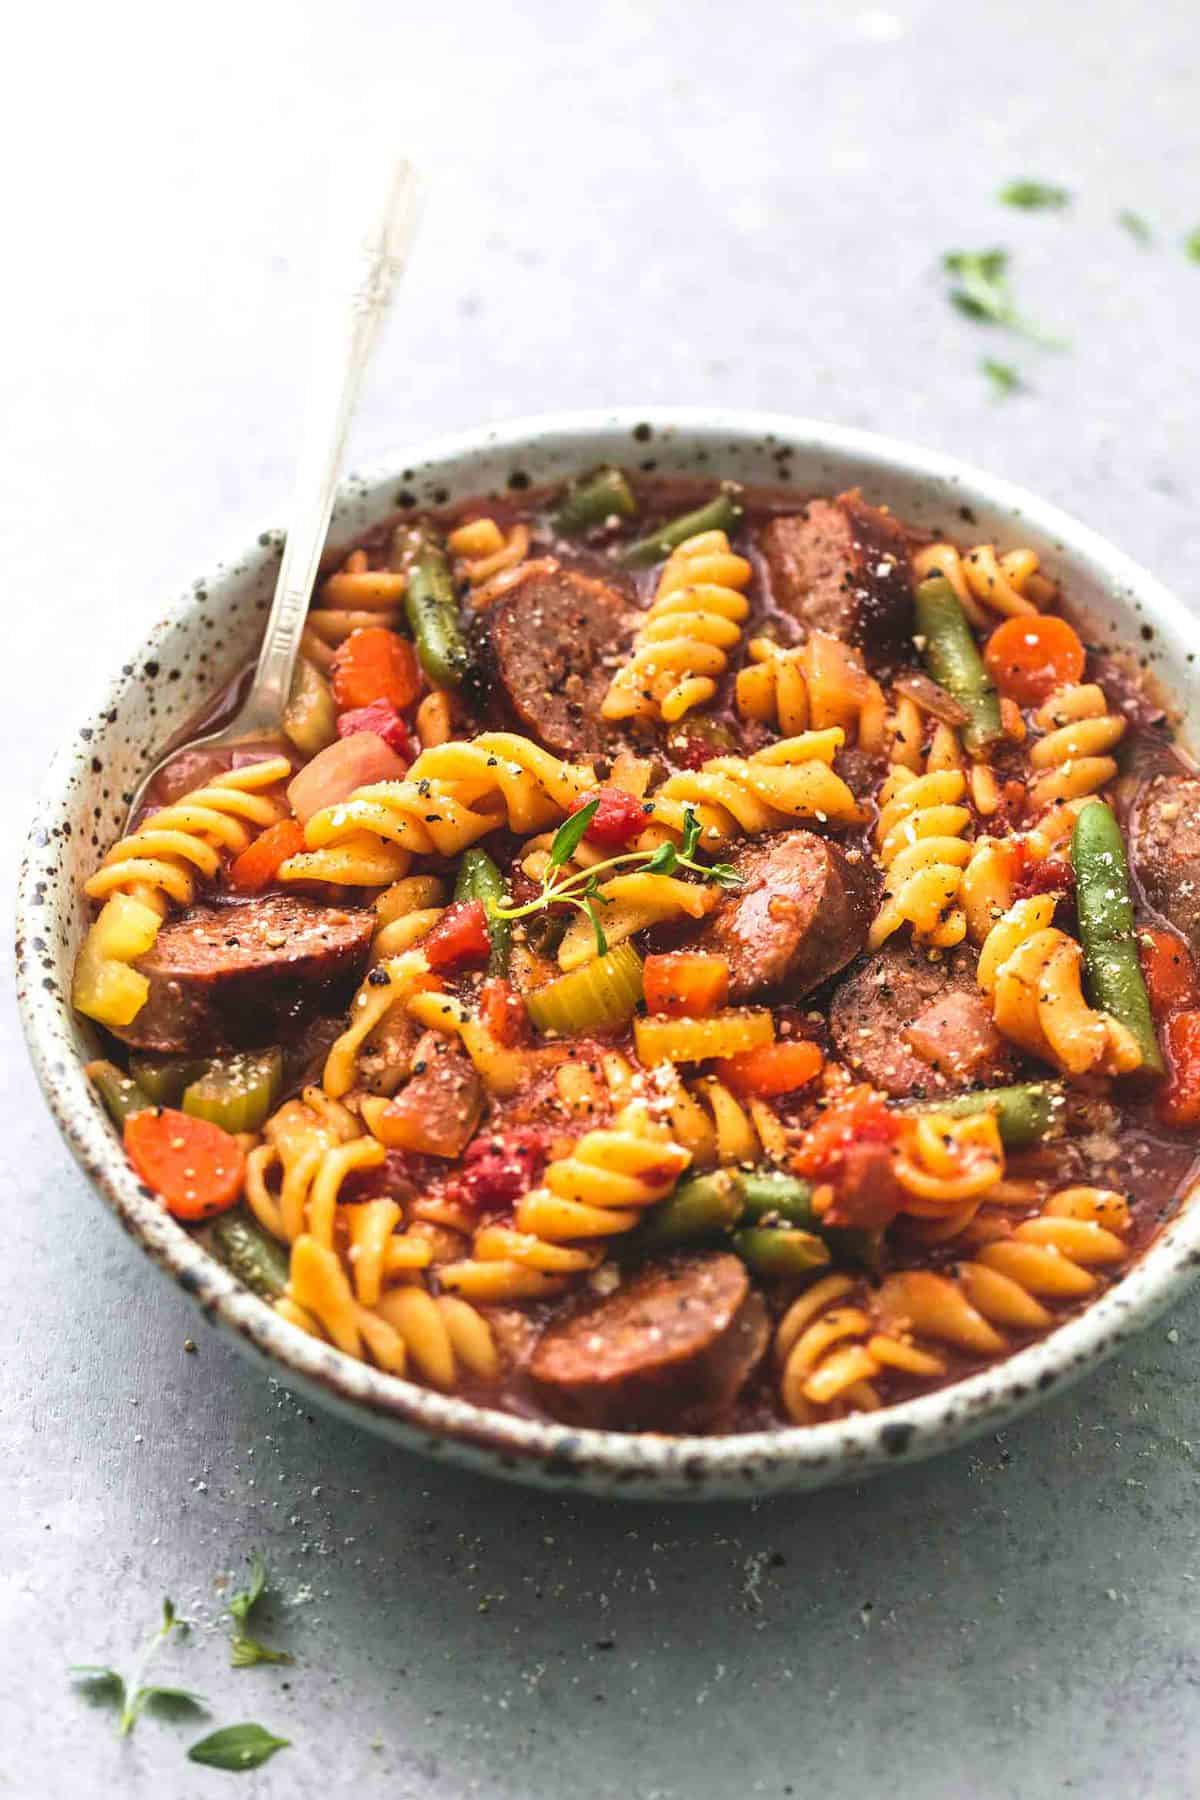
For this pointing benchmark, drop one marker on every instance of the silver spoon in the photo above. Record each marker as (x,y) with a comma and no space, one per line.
(335,382)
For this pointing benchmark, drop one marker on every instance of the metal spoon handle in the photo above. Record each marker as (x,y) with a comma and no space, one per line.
(382,254)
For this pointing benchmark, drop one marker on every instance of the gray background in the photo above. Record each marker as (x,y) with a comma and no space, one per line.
(670,202)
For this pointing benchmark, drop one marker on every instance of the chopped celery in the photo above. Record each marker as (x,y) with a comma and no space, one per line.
(163,1078)
(254,1258)
(599,997)
(310,718)
(236,1092)
(119,1092)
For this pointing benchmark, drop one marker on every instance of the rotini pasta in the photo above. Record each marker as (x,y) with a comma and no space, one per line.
(1032,973)
(818,684)
(1072,760)
(735,796)
(683,646)
(599,1190)
(922,844)
(631,903)
(484,551)
(986,585)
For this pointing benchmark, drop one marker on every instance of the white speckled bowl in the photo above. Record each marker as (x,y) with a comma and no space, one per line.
(214,629)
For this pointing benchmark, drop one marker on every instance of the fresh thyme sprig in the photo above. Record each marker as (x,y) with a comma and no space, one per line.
(582,889)
(136,1694)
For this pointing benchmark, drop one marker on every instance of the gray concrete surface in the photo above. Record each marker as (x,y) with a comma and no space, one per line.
(676,202)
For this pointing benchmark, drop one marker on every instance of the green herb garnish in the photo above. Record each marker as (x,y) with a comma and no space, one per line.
(237,1747)
(1135,225)
(582,889)
(981,291)
(244,1650)
(1003,377)
(1035,196)
(136,1695)
(1191,245)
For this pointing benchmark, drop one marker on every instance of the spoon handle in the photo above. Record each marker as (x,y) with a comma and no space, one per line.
(381,257)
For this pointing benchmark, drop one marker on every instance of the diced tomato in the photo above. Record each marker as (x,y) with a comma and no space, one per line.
(685,984)
(194,1167)
(619,817)
(1169,971)
(1055,875)
(778,1068)
(460,936)
(1179,1100)
(499,1166)
(382,718)
(261,861)
(861,1116)
(503,1012)
(866,1193)
(1031,655)
(335,772)
(372,665)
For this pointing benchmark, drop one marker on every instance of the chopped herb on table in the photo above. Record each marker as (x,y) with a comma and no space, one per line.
(981,290)
(246,1651)
(136,1694)
(1035,196)
(1003,377)
(1135,225)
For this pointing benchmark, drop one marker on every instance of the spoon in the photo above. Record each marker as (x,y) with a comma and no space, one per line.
(334,386)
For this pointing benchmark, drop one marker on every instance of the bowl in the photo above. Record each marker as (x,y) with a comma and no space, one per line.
(214,629)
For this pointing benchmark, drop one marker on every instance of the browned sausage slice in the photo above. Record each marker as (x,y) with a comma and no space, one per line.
(228,976)
(1165,844)
(842,566)
(669,1351)
(802,914)
(558,638)
(913,1026)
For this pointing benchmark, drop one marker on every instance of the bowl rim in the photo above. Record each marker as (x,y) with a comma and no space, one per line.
(741,1463)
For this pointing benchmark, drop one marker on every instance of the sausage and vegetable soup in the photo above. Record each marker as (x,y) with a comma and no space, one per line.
(702,958)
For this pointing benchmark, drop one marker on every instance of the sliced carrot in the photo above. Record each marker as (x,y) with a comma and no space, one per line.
(261,861)
(374,664)
(1028,657)
(778,1068)
(685,984)
(194,1167)
(1169,972)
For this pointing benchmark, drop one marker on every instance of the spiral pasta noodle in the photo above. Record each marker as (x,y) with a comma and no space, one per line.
(837,1340)
(1032,973)
(1072,759)
(630,903)
(159,862)
(598,1190)
(352,599)
(714,1125)
(815,685)
(736,796)
(485,552)
(454,794)
(987,585)
(683,645)
(921,842)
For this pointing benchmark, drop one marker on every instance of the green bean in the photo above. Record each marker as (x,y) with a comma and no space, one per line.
(721,514)
(236,1092)
(1105,911)
(952,658)
(769,1195)
(256,1259)
(431,607)
(783,1252)
(480,879)
(1025,1114)
(600,996)
(119,1092)
(603,496)
(701,1208)
(163,1078)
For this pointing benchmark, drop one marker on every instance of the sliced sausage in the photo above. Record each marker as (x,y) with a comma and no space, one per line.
(1165,843)
(224,977)
(913,1026)
(842,566)
(557,638)
(436,1111)
(668,1351)
(801,914)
